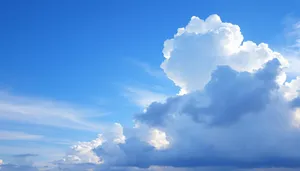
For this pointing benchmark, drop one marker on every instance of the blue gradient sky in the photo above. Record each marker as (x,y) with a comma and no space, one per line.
(102,57)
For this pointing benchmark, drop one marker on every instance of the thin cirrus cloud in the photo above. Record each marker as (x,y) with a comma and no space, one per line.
(25,155)
(292,49)
(14,135)
(149,69)
(47,112)
(143,97)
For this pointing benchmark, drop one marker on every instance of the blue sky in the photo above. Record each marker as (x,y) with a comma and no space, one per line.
(70,69)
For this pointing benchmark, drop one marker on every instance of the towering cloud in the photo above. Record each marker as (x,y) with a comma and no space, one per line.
(197,49)
(235,110)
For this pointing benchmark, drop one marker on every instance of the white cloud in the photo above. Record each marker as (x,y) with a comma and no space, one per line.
(215,127)
(291,89)
(83,152)
(236,117)
(13,135)
(158,139)
(46,112)
(195,51)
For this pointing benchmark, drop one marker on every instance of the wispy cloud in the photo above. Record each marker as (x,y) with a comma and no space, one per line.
(22,136)
(291,48)
(154,72)
(37,149)
(25,155)
(46,112)
(143,97)
(13,135)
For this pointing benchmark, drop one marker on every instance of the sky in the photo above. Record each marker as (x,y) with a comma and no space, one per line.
(149,85)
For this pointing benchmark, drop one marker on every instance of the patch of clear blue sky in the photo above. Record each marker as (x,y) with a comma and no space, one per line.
(78,51)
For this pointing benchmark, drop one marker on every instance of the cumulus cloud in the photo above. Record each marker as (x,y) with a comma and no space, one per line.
(291,89)
(230,94)
(197,49)
(235,111)
(240,119)
(83,152)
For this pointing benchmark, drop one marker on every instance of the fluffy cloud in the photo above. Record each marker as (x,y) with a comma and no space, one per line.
(83,152)
(291,89)
(235,112)
(197,49)
(239,120)
(228,96)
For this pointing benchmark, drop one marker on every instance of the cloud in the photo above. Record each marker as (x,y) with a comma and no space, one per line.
(25,155)
(23,163)
(83,152)
(215,141)
(294,33)
(236,111)
(149,69)
(243,125)
(292,49)
(197,49)
(13,135)
(24,159)
(143,97)
(45,153)
(231,94)
(12,167)
(45,112)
